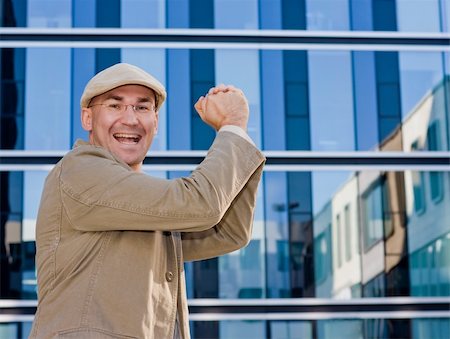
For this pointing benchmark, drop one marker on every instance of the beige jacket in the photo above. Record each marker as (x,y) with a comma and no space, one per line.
(111,242)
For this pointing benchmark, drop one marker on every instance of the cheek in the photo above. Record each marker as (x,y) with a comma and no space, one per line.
(105,123)
(151,124)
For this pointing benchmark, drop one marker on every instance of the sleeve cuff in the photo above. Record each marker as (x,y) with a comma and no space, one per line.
(237,130)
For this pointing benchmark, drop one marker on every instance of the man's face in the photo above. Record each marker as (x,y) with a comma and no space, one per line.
(127,134)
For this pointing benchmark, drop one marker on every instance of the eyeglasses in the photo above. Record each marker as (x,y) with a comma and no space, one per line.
(120,108)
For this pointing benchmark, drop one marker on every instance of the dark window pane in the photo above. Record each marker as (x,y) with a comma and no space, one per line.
(105,57)
(384,15)
(297,133)
(201,13)
(108,13)
(388,100)
(296,99)
(294,14)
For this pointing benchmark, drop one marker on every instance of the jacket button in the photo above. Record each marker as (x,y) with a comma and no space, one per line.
(169,276)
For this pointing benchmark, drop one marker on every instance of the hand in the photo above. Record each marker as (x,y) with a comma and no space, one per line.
(223,105)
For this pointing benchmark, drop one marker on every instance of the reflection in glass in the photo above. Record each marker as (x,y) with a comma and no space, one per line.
(418,15)
(425,104)
(323,267)
(372,214)
(430,328)
(429,232)
(331,100)
(143,14)
(296,102)
(48,99)
(13,254)
(328,329)
(10,330)
(47,13)
(277,235)
(429,268)
(242,329)
(236,14)
(328,15)
(291,329)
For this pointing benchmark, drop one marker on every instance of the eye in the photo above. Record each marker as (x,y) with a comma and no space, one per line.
(115,107)
(142,109)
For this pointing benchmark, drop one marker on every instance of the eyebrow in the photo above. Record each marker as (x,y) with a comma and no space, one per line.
(119,98)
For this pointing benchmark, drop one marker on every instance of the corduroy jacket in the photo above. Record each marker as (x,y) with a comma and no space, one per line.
(111,242)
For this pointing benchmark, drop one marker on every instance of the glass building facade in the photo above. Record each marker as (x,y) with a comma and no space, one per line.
(324,78)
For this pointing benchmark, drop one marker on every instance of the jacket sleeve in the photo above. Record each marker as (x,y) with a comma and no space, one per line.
(99,193)
(233,232)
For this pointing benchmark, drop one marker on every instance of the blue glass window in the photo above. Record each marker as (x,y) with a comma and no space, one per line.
(328,15)
(201,13)
(348,234)
(291,329)
(322,257)
(364,86)
(54,14)
(296,100)
(12,98)
(384,15)
(48,101)
(273,101)
(372,212)
(177,13)
(331,100)
(294,14)
(277,234)
(236,14)
(178,104)
(107,13)
(418,16)
(202,79)
(143,13)
(388,93)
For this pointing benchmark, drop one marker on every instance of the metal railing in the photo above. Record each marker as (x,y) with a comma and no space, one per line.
(221,38)
(16,160)
(281,309)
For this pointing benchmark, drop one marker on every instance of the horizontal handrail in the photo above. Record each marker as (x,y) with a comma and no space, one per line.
(15,160)
(222,38)
(283,309)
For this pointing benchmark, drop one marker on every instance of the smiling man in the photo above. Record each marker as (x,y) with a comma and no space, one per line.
(111,240)
(127,130)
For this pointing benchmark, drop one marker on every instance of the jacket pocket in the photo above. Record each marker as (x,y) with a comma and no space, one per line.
(91,333)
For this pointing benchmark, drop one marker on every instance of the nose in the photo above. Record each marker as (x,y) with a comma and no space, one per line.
(129,116)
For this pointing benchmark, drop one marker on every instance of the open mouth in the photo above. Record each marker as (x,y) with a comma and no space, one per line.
(125,138)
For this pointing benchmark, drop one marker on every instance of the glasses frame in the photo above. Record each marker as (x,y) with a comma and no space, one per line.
(123,107)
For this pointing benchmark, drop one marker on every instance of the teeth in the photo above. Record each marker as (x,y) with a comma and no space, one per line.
(124,135)
(127,138)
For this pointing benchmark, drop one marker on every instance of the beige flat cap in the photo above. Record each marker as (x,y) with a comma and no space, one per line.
(119,75)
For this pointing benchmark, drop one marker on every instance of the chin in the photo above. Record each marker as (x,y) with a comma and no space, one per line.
(129,160)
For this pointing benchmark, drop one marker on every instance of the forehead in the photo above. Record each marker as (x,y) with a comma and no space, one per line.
(129,92)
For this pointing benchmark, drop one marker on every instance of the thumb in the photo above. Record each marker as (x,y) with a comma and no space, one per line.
(200,105)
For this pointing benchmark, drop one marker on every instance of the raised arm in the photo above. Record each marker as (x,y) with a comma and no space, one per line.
(101,194)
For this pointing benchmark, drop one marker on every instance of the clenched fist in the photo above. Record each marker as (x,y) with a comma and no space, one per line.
(223,105)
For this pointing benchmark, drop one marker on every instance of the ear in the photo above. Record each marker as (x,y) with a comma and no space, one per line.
(156,123)
(86,118)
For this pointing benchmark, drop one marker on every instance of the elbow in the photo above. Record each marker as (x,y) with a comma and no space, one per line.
(238,244)
(240,240)
(244,241)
